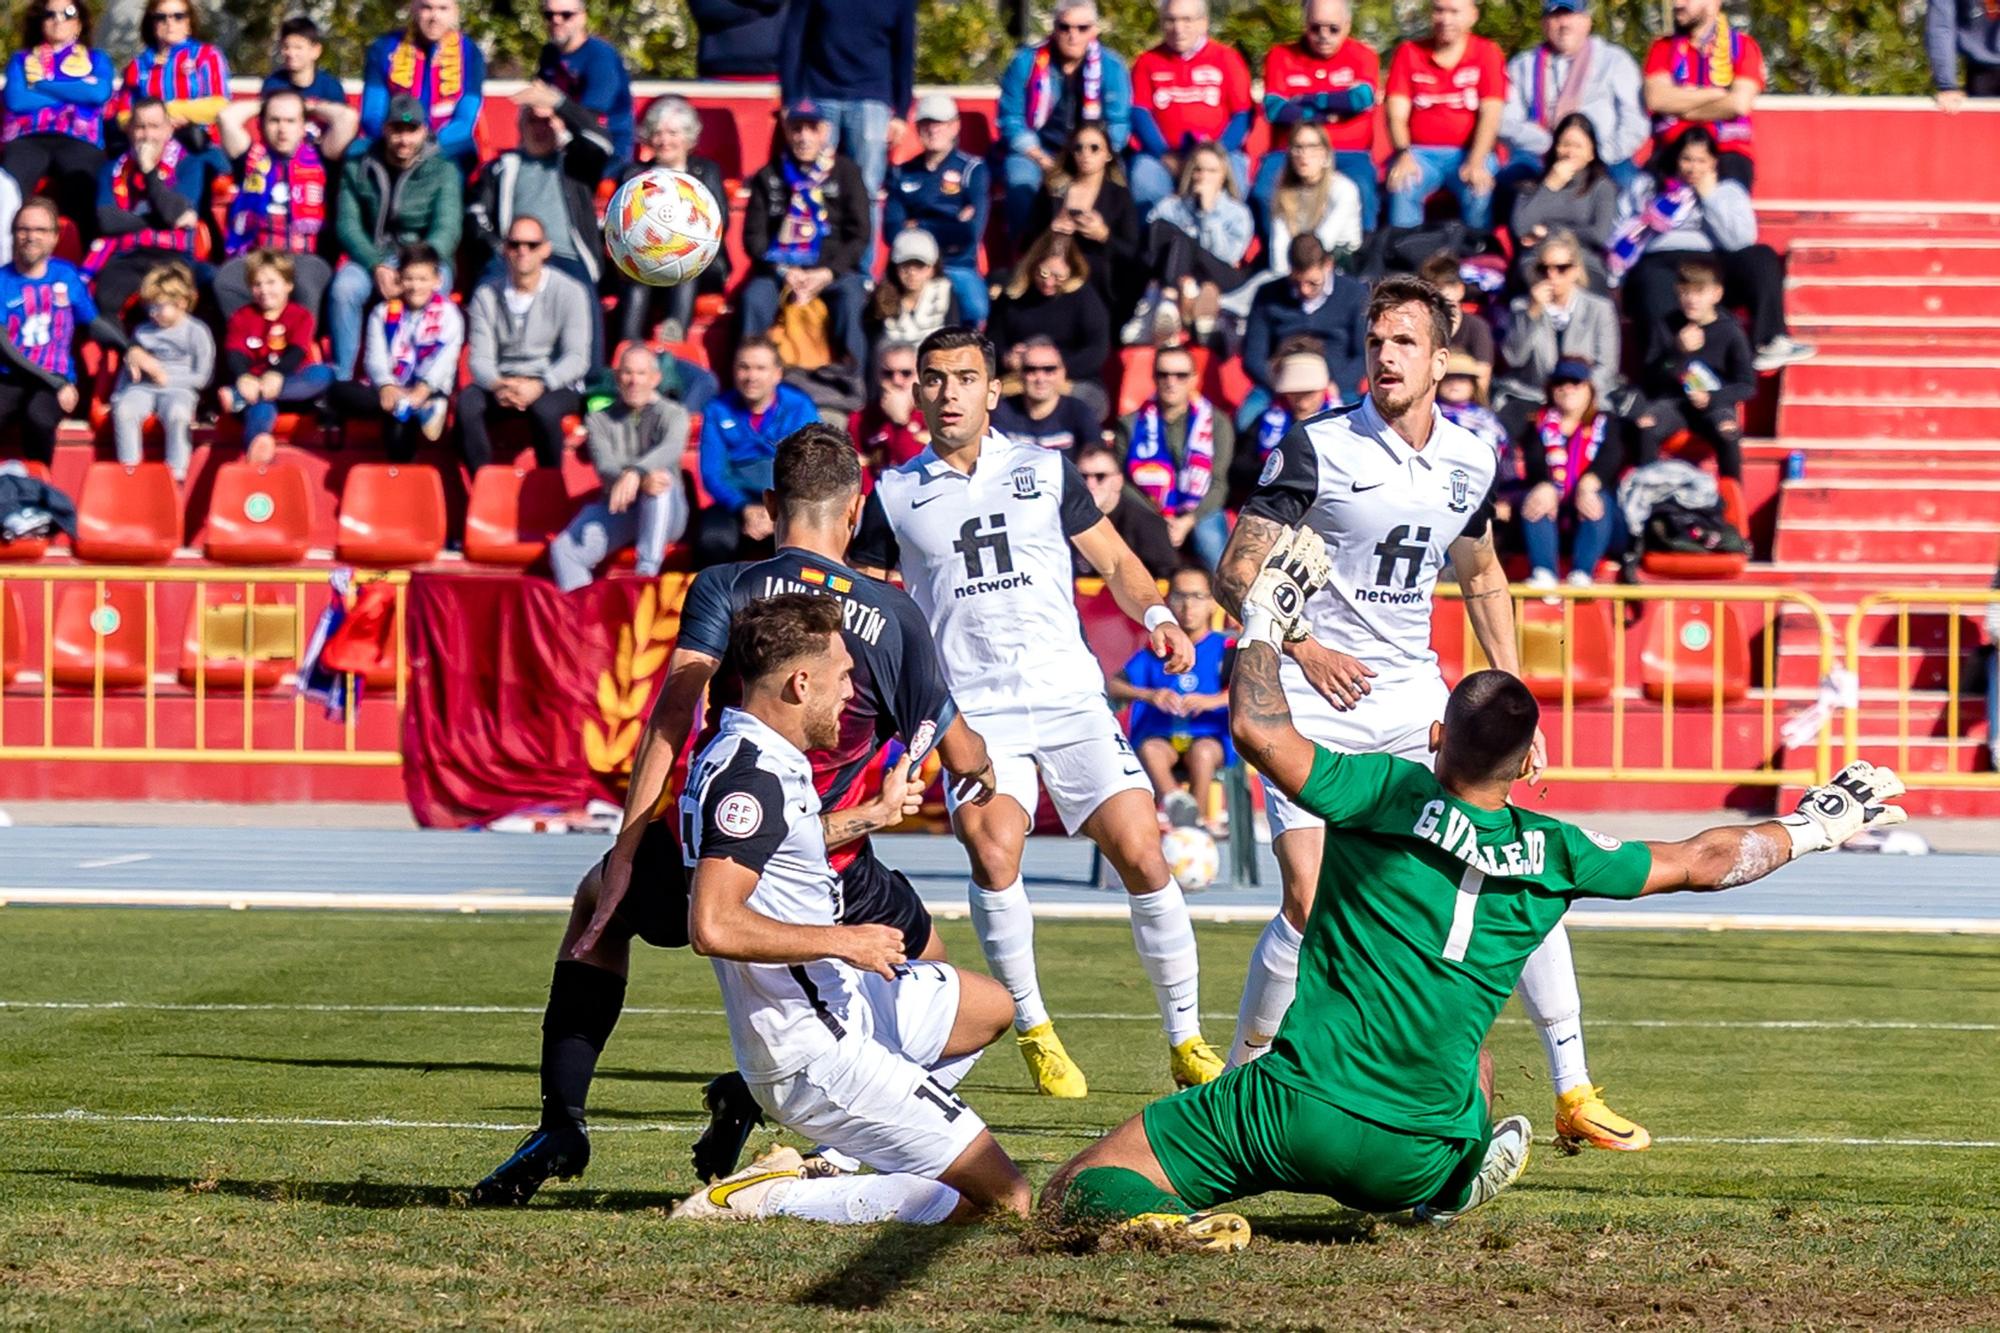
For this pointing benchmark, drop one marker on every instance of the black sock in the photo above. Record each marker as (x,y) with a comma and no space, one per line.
(584,1003)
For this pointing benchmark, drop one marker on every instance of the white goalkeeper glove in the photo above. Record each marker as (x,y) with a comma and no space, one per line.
(1296,568)
(1856,799)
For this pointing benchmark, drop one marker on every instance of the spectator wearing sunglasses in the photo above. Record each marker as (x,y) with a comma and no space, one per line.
(588,71)
(1330,79)
(530,331)
(1131,515)
(174,65)
(1177,452)
(890,431)
(1048,93)
(1560,318)
(1042,413)
(57,88)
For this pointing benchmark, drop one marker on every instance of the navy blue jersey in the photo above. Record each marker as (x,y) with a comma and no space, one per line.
(899,689)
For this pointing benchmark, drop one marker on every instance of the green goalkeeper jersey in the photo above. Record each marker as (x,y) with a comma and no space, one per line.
(1426,912)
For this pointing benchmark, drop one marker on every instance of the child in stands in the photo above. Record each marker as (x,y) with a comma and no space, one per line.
(1704,375)
(410,361)
(170,362)
(271,353)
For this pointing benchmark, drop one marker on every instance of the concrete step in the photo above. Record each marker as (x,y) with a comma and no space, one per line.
(1843,374)
(1922,458)
(1918,543)
(1856,579)
(1867,338)
(1883,673)
(1810,297)
(1912,419)
(1825,498)
(1893,256)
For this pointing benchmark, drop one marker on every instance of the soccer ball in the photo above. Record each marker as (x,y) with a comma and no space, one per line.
(1192,857)
(663,227)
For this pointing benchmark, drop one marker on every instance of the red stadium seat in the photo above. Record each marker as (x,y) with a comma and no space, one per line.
(513,513)
(128,515)
(391,514)
(259,515)
(1542,657)
(1680,636)
(1228,384)
(87,625)
(27,548)
(13,639)
(229,637)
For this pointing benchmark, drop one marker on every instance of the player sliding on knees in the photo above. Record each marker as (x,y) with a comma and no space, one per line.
(981,528)
(1396,491)
(640,888)
(1433,893)
(840,1038)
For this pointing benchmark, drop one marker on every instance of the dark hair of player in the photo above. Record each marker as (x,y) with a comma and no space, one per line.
(816,465)
(1489,726)
(957,337)
(777,633)
(1402,289)
(1697,273)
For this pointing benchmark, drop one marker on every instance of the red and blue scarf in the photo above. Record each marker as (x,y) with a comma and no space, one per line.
(128,187)
(415,338)
(1570,456)
(434,76)
(1150,463)
(1045,86)
(280,203)
(803,232)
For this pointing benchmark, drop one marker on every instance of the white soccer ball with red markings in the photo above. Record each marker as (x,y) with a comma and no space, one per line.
(663,227)
(1192,857)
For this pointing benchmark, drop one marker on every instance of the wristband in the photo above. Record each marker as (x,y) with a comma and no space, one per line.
(1806,834)
(1157,616)
(1261,626)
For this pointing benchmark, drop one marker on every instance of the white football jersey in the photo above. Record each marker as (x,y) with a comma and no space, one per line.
(749,799)
(986,556)
(1389,514)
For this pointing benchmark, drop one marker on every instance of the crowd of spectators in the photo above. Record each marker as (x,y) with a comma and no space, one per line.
(1591,212)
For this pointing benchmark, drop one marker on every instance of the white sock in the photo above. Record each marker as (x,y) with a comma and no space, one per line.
(1267,991)
(950,1072)
(1548,992)
(837,1158)
(1005,925)
(1163,933)
(856,1200)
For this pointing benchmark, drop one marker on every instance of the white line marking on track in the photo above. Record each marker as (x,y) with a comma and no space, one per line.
(130,858)
(79,1116)
(683,1011)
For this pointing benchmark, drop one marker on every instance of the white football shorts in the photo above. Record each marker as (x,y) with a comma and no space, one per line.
(1392,720)
(873,1097)
(1080,756)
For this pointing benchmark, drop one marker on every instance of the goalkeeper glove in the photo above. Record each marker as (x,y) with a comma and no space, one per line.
(1296,568)
(1855,800)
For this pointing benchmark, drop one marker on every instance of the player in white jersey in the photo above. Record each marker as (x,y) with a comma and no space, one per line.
(981,528)
(839,1037)
(1396,491)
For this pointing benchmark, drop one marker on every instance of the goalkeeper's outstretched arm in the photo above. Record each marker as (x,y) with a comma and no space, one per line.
(1725,858)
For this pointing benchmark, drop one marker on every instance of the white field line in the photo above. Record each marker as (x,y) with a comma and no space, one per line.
(500,900)
(77,1116)
(683,1011)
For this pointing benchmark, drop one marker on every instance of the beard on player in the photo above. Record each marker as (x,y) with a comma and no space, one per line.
(1404,362)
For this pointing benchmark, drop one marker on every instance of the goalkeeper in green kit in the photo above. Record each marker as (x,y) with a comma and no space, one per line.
(1433,892)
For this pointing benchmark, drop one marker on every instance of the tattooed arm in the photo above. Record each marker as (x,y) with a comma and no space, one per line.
(1341,679)
(902,795)
(1261,720)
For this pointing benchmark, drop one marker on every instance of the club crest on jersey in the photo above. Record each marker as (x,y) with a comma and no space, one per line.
(1461,491)
(1272,467)
(739,815)
(1026,485)
(920,744)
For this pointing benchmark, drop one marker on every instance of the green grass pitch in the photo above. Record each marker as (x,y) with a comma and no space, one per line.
(306,1163)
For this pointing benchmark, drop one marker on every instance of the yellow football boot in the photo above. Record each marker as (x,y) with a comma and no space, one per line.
(1195,1062)
(740,1197)
(1223,1233)
(1582,1117)
(1049,1065)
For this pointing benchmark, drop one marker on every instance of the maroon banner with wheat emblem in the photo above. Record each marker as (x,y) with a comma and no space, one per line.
(523,697)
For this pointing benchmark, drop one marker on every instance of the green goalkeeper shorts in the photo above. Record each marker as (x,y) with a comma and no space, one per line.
(1247,1133)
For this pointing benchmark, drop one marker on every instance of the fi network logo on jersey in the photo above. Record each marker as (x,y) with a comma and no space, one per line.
(975,544)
